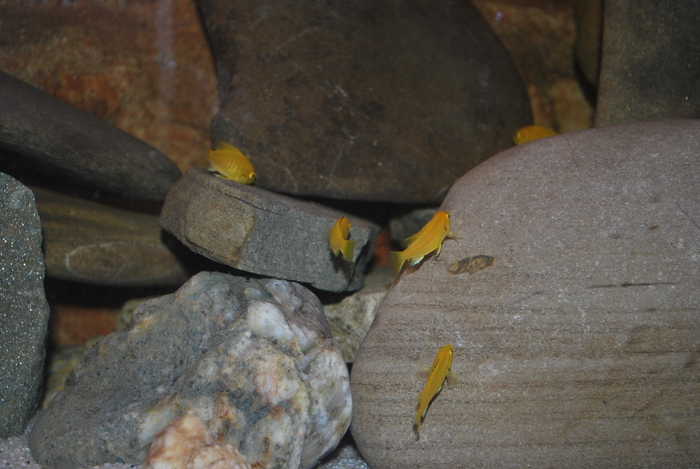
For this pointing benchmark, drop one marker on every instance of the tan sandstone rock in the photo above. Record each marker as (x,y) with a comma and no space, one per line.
(578,345)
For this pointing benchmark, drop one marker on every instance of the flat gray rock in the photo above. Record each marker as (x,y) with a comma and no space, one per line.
(650,66)
(258,231)
(389,100)
(95,243)
(253,358)
(60,137)
(579,346)
(24,312)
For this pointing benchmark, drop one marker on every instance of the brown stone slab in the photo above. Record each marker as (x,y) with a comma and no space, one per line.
(367,100)
(258,231)
(94,243)
(579,345)
(62,137)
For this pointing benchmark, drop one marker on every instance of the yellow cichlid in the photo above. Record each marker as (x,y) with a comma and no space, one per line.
(229,163)
(427,240)
(338,239)
(438,374)
(533,132)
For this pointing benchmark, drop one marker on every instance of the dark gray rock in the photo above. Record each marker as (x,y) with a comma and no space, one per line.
(390,100)
(262,232)
(254,359)
(407,225)
(24,312)
(650,66)
(580,345)
(62,138)
(95,243)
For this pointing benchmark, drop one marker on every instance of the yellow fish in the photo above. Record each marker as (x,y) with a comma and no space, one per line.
(229,163)
(338,239)
(438,374)
(427,240)
(533,132)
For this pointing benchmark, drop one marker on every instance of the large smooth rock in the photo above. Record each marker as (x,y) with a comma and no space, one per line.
(94,243)
(58,136)
(580,345)
(262,232)
(650,66)
(24,312)
(253,358)
(369,100)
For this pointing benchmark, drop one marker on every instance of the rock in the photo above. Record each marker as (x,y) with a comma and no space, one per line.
(589,32)
(350,318)
(94,243)
(144,67)
(24,312)
(253,358)
(650,66)
(366,100)
(409,224)
(185,443)
(59,136)
(540,37)
(578,346)
(258,231)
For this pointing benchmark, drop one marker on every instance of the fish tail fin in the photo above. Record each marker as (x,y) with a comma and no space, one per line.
(349,250)
(396,261)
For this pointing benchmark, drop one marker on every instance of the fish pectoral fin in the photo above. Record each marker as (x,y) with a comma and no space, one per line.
(349,250)
(415,260)
(452,379)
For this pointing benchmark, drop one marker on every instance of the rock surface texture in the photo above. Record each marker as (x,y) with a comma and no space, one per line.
(254,359)
(94,243)
(79,145)
(24,312)
(265,233)
(650,66)
(363,100)
(579,346)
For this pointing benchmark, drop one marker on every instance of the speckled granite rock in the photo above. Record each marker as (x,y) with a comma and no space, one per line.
(95,243)
(367,100)
(578,346)
(24,312)
(254,358)
(79,145)
(650,65)
(265,233)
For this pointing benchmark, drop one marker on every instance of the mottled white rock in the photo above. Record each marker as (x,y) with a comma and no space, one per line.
(185,443)
(253,358)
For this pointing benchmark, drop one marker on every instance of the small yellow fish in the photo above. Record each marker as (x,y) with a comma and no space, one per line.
(338,239)
(427,240)
(229,163)
(438,374)
(533,132)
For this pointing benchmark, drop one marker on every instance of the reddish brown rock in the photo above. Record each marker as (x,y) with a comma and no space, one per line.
(377,101)
(578,345)
(144,67)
